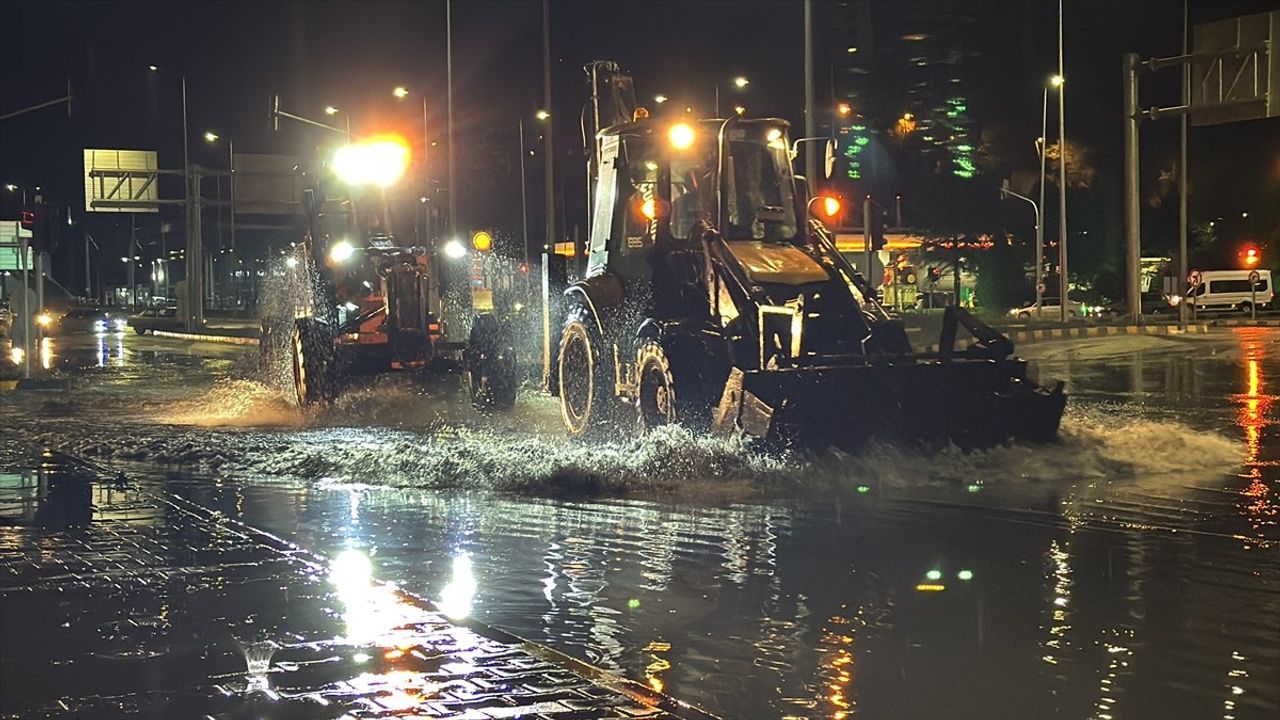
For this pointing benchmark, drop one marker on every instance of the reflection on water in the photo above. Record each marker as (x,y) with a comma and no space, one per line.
(1258,502)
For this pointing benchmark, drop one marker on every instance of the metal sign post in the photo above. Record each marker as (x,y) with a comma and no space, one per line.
(1253,294)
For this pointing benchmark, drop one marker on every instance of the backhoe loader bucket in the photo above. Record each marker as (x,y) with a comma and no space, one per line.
(974,398)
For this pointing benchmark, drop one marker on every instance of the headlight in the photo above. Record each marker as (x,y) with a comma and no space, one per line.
(119,323)
(455,249)
(341,251)
(44,319)
(99,325)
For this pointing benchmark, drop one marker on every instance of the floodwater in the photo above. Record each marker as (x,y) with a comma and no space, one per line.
(1131,570)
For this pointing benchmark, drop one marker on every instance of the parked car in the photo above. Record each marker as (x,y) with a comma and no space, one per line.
(1050,309)
(1230,290)
(153,319)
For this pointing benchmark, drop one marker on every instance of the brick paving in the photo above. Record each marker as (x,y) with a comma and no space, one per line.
(118,601)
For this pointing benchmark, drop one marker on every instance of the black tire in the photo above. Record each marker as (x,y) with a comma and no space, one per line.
(314,376)
(492,376)
(1246,308)
(585,378)
(656,393)
(1024,315)
(140,331)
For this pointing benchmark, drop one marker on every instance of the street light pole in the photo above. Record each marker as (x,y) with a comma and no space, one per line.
(1062,174)
(453,188)
(1044,141)
(549,147)
(524,196)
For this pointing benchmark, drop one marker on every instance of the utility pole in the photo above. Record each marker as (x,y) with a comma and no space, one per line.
(1182,166)
(1062,174)
(1043,147)
(1132,226)
(810,122)
(133,243)
(524,196)
(548,164)
(453,186)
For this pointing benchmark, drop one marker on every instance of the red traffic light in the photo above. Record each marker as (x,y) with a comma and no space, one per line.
(28,219)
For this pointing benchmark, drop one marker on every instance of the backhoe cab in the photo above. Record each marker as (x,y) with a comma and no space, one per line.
(712,299)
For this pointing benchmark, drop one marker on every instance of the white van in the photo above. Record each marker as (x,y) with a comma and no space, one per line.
(1229,290)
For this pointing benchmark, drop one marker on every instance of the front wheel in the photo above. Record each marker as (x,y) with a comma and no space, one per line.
(314,376)
(585,392)
(656,395)
(491,365)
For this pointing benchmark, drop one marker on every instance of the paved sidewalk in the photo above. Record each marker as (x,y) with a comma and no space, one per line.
(120,601)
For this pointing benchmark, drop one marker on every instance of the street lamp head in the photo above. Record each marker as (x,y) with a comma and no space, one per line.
(153,68)
(739,109)
(330,110)
(659,99)
(741,81)
(1057,80)
(844,109)
(210,137)
(400,92)
(11,187)
(542,114)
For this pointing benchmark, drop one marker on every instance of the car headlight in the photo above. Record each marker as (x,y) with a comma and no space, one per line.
(119,323)
(99,325)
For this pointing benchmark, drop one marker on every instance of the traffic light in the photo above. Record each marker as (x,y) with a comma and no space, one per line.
(28,219)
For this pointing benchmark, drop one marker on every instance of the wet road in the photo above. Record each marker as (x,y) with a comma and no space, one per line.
(1130,571)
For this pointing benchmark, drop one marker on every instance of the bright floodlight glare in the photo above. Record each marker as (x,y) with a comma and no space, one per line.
(659,99)
(400,91)
(210,137)
(681,136)
(341,251)
(934,574)
(965,575)
(741,81)
(542,114)
(10,187)
(378,161)
(844,109)
(291,262)
(455,249)
(456,597)
(739,109)
(153,68)
(44,319)
(330,110)
(1057,80)
(351,570)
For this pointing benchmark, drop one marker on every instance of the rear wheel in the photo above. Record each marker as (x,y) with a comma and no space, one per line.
(656,395)
(140,331)
(314,379)
(1246,308)
(491,365)
(1024,315)
(586,394)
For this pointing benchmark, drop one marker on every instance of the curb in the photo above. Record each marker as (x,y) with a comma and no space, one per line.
(1071,333)
(229,339)
(1104,331)
(1244,323)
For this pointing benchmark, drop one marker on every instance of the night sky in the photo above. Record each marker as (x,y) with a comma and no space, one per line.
(235,55)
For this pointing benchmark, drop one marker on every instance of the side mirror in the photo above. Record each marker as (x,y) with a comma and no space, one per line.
(829,158)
